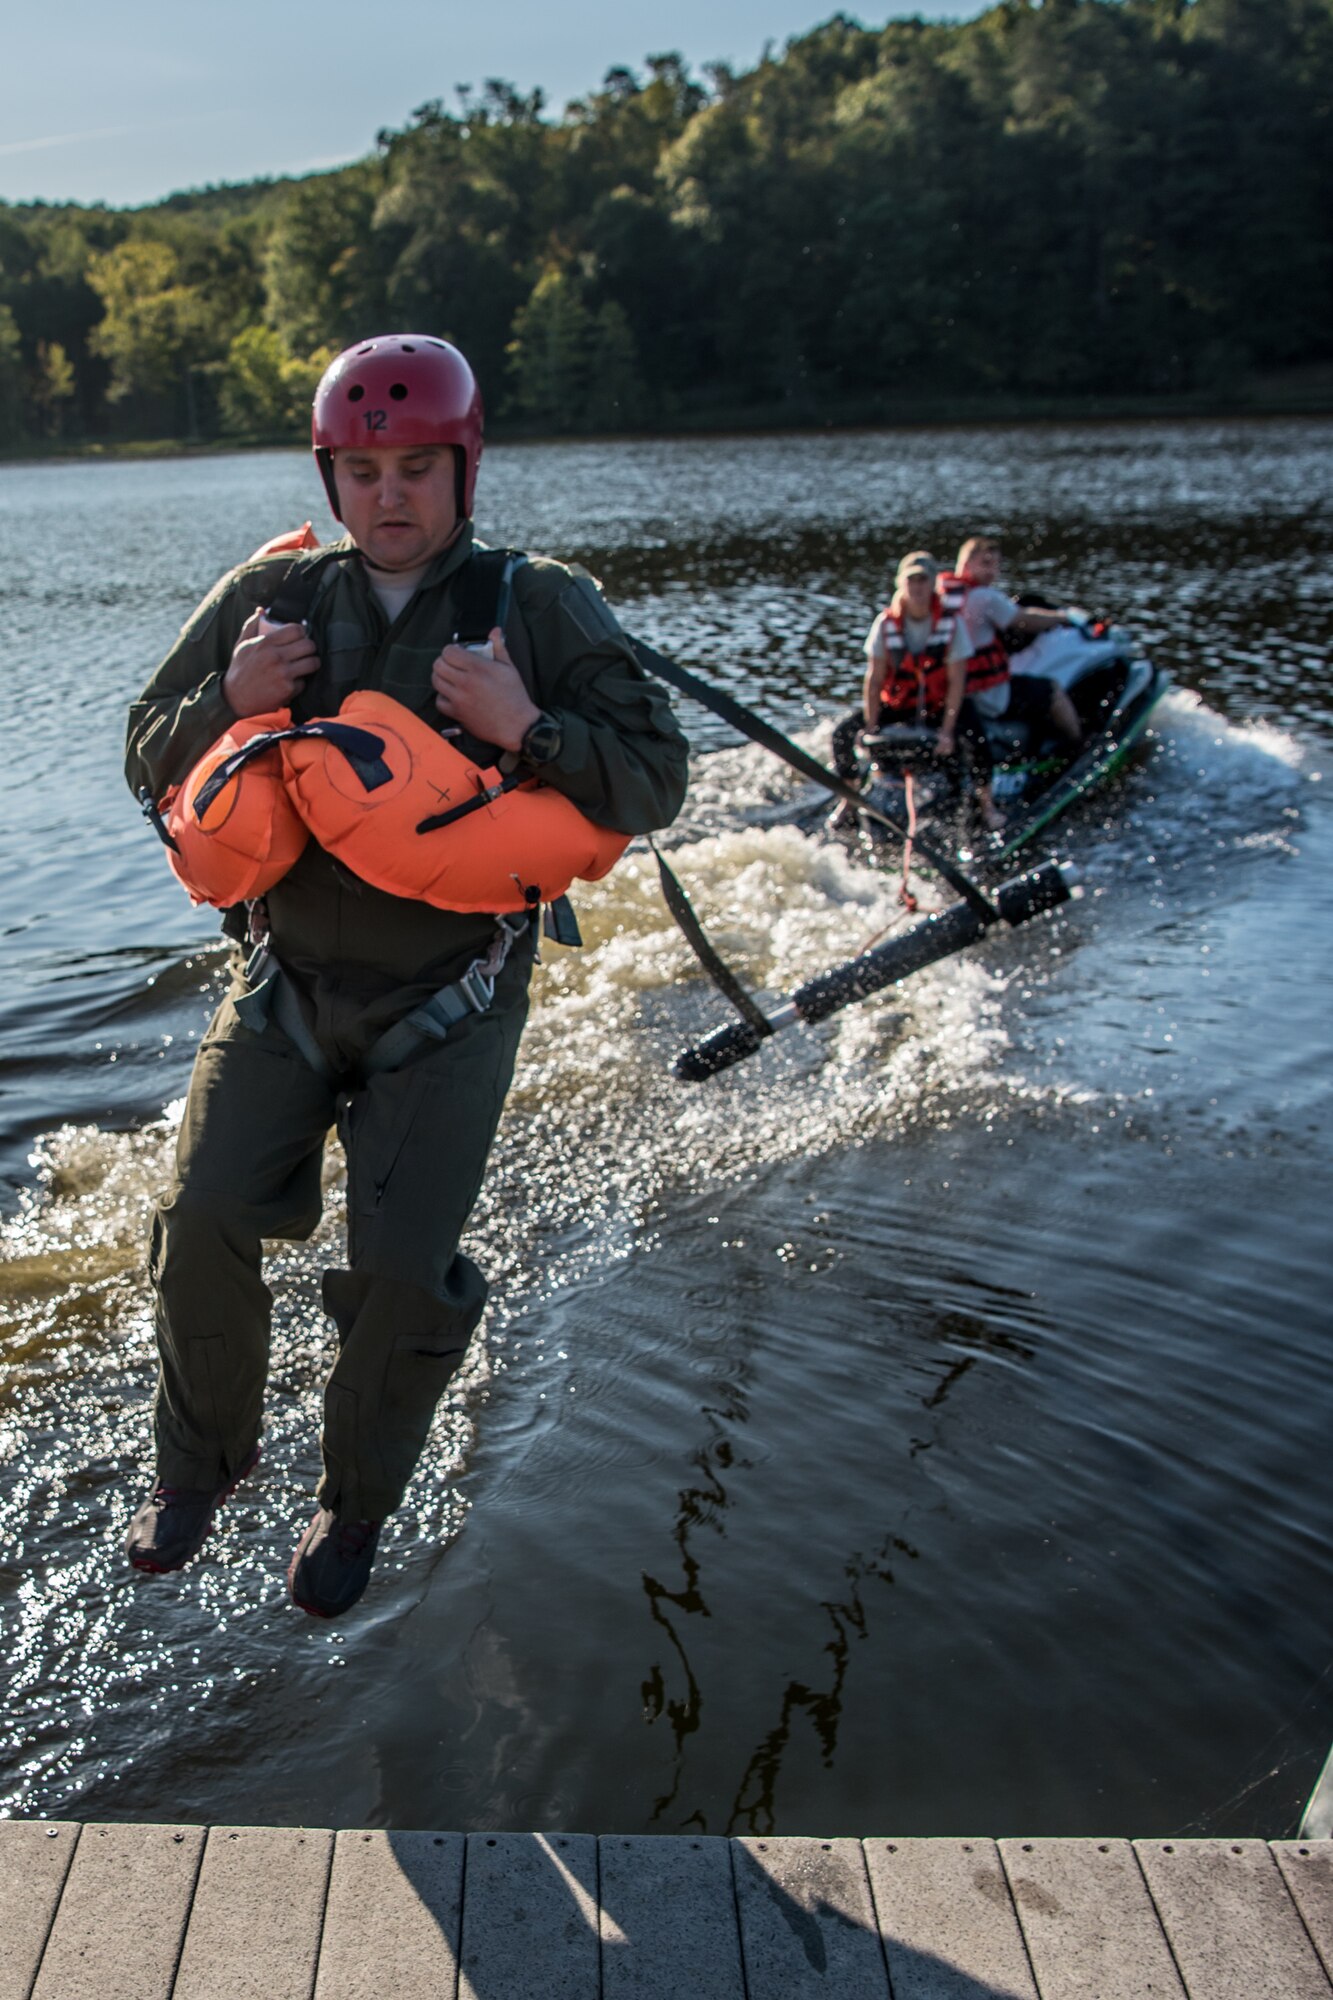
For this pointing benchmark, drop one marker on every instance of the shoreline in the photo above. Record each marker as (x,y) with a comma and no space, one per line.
(975,413)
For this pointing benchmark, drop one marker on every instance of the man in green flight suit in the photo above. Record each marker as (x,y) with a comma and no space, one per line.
(359,1005)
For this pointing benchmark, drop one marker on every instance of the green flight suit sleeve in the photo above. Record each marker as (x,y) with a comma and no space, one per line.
(624,761)
(183,709)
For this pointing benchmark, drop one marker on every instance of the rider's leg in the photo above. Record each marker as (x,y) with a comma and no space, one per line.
(974,744)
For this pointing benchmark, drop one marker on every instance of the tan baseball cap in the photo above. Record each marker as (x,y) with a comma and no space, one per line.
(919,563)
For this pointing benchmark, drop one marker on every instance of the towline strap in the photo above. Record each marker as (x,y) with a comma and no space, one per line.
(771,739)
(704,950)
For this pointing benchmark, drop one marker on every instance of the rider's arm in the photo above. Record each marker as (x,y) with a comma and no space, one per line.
(877,671)
(953,699)
(1008,615)
(1029,619)
(960,652)
(872,689)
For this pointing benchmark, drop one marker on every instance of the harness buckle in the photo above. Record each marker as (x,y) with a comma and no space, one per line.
(477,985)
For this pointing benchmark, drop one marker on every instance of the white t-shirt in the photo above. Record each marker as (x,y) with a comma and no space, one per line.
(395,587)
(987,611)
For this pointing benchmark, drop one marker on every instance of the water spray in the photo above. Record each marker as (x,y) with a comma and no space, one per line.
(937,936)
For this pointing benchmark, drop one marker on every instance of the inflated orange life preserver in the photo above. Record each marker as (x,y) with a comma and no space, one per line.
(517,841)
(233,835)
(291,543)
(524,841)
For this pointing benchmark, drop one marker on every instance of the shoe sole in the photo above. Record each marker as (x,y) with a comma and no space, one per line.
(150,1568)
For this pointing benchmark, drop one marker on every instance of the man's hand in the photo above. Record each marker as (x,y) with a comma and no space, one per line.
(270,664)
(487,697)
(944,742)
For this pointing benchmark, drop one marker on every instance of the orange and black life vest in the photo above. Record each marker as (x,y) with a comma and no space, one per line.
(989,665)
(916,685)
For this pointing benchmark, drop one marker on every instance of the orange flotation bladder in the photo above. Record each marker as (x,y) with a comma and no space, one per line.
(440,829)
(233,830)
(290,543)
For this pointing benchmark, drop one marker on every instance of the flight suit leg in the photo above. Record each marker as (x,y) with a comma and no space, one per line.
(416,1140)
(247,1167)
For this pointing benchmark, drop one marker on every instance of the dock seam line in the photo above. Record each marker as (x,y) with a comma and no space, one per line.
(1017,1909)
(1161,1922)
(879,1920)
(37,1968)
(189,1908)
(736,1905)
(1327,1970)
(597,1893)
(323,1913)
(462,1917)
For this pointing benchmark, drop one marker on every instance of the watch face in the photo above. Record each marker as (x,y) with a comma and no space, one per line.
(543,740)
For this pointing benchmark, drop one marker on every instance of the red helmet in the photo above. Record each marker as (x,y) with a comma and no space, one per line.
(398,389)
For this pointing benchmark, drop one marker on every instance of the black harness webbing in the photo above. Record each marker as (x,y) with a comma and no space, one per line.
(712,962)
(273,995)
(301,584)
(363,751)
(484,797)
(773,740)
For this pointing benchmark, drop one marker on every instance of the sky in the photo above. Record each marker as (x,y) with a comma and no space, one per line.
(124,104)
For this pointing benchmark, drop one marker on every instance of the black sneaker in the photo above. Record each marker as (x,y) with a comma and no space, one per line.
(170,1527)
(332,1564)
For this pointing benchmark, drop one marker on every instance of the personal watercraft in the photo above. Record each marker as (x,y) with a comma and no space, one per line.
(1114,689)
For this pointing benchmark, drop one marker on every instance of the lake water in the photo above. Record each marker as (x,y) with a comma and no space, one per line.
(923,1428)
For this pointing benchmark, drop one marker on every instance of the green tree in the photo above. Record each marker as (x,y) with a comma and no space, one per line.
(324,275)
(549,353)
(53,386)
(615,398)
(155,332)
(11,379)
(264,391)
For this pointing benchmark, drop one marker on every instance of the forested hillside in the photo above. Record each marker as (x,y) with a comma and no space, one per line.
(1084,198)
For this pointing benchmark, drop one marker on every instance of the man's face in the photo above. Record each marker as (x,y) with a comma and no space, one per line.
(400,506)
(983,565)
(917,592)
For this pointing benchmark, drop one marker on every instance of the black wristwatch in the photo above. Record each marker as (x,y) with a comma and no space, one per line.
(544,740)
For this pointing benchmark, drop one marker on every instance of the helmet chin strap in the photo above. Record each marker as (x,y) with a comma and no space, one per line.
(324,460)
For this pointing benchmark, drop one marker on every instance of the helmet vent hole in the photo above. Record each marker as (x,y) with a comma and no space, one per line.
(408,347)
(399,392)
(355,393)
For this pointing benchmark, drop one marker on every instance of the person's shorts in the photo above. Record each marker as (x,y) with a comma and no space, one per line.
(1029,698)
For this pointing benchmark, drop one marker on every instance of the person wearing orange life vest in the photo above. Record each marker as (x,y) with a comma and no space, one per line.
(395,1016)
(916,672)
(987,612)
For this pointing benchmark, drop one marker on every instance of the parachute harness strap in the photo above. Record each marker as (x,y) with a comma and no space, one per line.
(273,995)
